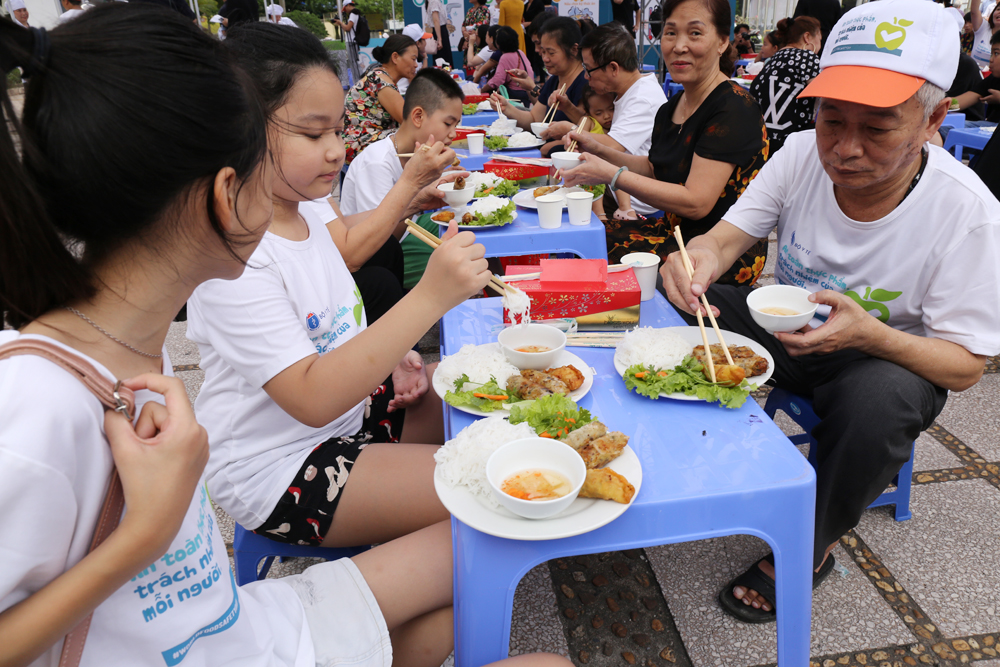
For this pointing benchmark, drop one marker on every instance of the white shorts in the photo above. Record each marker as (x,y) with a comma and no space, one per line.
(344,619)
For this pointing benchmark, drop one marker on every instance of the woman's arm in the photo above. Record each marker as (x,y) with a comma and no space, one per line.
(485,69)
(588,142)
(524,117)
(977,15)
(437,27)
(967,99)
(392,102)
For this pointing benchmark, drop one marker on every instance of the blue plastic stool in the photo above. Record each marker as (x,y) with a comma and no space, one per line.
(800,410)
(249,549)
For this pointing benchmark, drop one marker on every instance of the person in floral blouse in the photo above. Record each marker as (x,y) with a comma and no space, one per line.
(477,16)
(374,106)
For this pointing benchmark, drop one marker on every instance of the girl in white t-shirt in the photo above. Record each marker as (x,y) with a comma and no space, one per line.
(159,589)
(983,27)
(300,396)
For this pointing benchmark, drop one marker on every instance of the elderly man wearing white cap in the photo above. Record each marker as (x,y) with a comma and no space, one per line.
(19,12)
(897,242)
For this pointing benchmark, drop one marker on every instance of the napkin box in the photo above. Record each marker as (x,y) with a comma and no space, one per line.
(582,289)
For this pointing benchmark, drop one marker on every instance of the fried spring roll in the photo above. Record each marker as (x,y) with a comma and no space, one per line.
(606,484)
(550,382)
(525,389)
(579,438)
(605,449)
(570,375)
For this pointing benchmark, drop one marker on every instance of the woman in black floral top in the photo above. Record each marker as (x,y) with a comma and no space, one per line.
(776,88)
(708,143)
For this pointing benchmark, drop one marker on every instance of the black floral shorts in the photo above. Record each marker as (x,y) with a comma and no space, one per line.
(305,511)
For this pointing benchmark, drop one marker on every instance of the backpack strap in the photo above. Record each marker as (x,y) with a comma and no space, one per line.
(113,396)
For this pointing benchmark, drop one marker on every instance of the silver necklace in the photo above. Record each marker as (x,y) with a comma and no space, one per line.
(112,337)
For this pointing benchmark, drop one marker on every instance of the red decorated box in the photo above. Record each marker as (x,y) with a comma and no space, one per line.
(475,99)
(583,289)
(514,171)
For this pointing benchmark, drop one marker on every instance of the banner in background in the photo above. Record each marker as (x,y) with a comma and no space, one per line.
(579,9)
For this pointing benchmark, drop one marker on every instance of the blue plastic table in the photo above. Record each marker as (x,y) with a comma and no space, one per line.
(961,138)
(525,237)
(479,118)
(707,472)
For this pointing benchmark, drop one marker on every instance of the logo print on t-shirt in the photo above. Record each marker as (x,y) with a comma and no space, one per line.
(312,321)
(878,297)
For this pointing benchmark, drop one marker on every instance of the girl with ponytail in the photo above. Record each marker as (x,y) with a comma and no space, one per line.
(144,172)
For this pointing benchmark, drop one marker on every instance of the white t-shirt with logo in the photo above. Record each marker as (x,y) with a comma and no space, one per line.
(294,300)
(928,268)
(632,126)
(370,177)
(185,608)
(981,43)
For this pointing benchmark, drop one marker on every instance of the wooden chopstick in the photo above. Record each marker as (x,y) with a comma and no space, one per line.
(555,107)
(704,299)
(579,130)
(434,242)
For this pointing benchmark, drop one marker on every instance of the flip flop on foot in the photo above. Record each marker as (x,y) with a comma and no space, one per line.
(755,579)
(626,214)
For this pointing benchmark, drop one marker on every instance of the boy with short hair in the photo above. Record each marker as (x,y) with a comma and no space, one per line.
(432,109)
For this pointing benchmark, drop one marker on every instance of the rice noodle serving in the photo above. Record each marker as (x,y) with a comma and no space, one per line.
(521,140)
(479,362)
(659,348)
(462,460)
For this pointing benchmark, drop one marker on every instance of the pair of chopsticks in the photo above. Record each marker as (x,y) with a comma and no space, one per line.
(704,300)
(434,242)
(579,130)
(423,149)
(612,268)
(551,113)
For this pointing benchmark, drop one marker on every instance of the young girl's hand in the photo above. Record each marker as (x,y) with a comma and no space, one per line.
(409,382)
(160,461)
(557,130)
(428,162)
(456,270)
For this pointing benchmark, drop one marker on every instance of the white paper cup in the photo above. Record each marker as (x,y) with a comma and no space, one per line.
(580,207)
(476,143)
(550,209)
(644,265)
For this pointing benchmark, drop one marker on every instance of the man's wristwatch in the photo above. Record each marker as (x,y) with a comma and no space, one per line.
(536,91)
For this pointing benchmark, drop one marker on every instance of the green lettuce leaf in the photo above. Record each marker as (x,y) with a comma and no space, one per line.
(686,378)
(555,414)
(495,143)
(503,188)
(466,398)
(502,216)
(469,109)
(596,190)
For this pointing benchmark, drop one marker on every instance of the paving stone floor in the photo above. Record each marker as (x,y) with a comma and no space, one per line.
(923,591)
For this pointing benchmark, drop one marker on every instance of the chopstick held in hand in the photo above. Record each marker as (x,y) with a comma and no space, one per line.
(704,300)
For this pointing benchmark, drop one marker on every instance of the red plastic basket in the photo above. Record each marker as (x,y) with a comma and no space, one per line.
(513,171)
(475,99)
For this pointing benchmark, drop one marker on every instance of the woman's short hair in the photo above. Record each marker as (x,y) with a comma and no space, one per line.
(721,15)
(394,44)
(566,32)
(775,37)
(481,33)
(612,43)
(506,40)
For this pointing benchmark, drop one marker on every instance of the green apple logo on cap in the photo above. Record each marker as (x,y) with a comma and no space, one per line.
(890,36)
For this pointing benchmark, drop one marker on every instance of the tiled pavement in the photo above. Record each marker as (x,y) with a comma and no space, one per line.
(924,591)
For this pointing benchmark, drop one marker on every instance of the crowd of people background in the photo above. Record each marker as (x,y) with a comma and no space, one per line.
(315,425)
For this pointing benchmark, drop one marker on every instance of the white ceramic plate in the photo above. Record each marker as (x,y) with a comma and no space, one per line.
(692,336)
(526,199)
(564,359)
(460,211)
(538,142)
(583,516)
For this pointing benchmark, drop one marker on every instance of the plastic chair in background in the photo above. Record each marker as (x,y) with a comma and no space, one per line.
(249,549)
(800,411)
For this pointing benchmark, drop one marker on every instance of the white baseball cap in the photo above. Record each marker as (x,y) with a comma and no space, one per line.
(16,5)
(880,53)
(275,10)
(416,33)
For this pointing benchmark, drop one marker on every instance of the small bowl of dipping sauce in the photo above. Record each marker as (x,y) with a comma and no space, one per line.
(535,478)
(457,197)
(565,159)
(538,128)
(533,346)
(781,307)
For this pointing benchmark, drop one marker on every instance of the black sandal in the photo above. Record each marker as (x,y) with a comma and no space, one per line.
(755,579)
